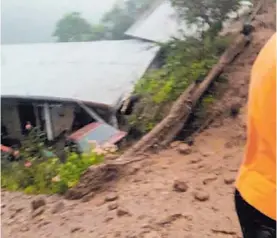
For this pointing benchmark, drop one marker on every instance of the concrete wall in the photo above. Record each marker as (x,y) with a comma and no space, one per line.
(62,118)
(10,118)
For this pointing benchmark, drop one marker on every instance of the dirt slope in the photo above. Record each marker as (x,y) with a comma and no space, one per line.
(145,204)
(153,208)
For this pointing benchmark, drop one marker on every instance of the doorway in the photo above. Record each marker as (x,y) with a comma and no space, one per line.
(26,114)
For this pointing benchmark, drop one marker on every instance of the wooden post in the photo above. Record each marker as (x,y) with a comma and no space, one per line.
(48,121)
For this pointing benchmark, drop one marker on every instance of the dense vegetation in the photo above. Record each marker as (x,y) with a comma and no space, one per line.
(37,170)
(184,61)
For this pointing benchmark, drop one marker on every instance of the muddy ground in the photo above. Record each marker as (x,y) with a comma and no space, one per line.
(177,193)
(146,203)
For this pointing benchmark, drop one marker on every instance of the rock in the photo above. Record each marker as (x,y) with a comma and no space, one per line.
(72,194)
(224,231)
(215,209)
(201,196)
(235,109)
(229,179)
(141,217)
(75,229)
(3,205)
(39,211)
(230,144)
(122,212)
(206,153)
(131,236)
(170,219)
(108,219)
(100,203)
(24,228)
(209,179)
(112,206)
(117,234)
(227,157)
(148,170)
(175,144)
(88,197)
(16,211)
(43,223)
(58,207)
(184,149)
(111,197)
(152,234)
(180,186)
(37,203)
(195,160)
(217,124)
(135,168)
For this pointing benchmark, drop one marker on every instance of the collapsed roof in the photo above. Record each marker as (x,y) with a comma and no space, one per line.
(159,24)
(98,72)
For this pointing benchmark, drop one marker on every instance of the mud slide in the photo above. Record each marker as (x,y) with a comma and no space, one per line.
(238,58)
(177,193)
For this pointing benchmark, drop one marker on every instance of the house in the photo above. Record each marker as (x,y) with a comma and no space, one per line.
(64,86)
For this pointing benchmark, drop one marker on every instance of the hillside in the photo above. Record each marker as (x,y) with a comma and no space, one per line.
(172,194)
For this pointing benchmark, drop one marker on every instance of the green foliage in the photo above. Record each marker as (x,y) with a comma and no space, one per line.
(185,62)
(112,26)
(46,177)
(35,174)
(201,12)
(72,27)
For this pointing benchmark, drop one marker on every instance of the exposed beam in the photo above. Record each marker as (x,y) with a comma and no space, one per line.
(48,122)
(91,112)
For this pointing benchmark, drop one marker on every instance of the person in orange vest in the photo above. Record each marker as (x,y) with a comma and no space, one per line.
(255,195)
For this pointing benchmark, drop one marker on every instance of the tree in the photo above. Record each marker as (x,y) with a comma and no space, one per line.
(112,26)
(72,27)
(205,12)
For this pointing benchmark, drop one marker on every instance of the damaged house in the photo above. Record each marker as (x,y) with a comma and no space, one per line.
(151,24)
(61,87)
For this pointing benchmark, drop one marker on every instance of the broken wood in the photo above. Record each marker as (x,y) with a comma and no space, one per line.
(102,176)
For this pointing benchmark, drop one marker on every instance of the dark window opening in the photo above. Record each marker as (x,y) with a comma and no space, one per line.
(26,115)
(81,119)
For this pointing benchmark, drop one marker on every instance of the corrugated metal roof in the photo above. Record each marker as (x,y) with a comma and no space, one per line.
(159,24)
(98,72)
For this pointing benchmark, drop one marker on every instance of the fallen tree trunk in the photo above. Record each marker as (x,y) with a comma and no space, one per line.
(170,126)
(103,176)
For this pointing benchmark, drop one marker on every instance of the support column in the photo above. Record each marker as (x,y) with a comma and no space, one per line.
(48,121)
(114,121)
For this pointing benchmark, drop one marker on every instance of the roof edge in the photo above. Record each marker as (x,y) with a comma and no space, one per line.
(56,100)
(142,18)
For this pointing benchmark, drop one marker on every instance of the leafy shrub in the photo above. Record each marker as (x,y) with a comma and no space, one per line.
(185,62)
(39,175)
(48,176)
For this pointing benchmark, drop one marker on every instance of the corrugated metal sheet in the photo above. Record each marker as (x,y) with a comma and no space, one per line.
(97,72)
(160,24)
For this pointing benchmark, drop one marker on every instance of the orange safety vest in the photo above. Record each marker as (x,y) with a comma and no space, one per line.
(256,181)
